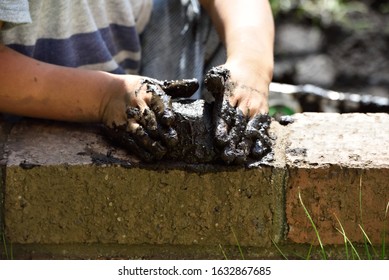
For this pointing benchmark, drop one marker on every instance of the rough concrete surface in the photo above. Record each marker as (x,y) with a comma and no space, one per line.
(56,195)
(138,206)
(347,140)
(333,159)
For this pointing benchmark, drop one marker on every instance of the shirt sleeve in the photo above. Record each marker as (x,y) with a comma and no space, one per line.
(14,12)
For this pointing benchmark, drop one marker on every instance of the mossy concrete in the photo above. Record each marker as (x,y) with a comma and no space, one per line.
(4,130)
(112,204)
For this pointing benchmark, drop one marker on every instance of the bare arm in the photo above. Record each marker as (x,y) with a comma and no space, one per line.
(135,110)
(247,29)
(32,88)
(36,89)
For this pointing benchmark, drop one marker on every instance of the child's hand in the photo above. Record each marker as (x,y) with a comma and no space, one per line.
(140,116)
(240,119)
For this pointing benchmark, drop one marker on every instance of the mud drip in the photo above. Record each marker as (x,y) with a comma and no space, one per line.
(237,138)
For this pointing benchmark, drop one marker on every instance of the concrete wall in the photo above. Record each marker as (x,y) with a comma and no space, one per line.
(62,198)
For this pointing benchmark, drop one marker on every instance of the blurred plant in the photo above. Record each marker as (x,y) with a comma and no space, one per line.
(325,11)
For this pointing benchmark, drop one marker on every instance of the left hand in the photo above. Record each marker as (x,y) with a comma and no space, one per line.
(249,92)
(240,117)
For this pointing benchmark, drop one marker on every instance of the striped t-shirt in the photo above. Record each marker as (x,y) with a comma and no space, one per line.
(91,34)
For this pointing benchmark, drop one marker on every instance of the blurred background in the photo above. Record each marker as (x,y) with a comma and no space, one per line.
(335,51)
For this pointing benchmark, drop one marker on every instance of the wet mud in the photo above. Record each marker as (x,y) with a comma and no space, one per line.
(285,120)
(194,131)
(180,88)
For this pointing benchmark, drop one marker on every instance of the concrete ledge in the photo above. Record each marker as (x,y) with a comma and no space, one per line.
(68,193)
(78,189)
(137,206)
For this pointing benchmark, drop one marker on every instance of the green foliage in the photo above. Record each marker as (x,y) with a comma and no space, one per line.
(6,252)
(325,11)
(237,243)
(350,250)
(324,255)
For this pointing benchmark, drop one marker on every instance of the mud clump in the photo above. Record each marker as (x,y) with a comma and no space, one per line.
(285,120)
(194,129)
(238,139)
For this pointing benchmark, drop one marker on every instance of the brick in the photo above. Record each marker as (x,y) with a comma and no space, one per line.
(332,159)
(61,189)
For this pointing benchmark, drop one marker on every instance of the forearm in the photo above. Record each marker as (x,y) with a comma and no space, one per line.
(35,89)
(247,29)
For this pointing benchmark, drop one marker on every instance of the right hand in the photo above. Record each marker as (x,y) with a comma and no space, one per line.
(139,116)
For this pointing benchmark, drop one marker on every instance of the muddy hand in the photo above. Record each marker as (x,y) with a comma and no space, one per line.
(141,120)
(238,137)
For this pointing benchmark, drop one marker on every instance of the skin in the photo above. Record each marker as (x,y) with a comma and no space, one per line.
(36,89)
(247,30)
(241,93)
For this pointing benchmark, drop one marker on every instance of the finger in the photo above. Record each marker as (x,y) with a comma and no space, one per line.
(133,113)
(149,122)
(228,155)
(244,146)
(258,149)
(233,99)
(265,120)
(215,80)
(240,156)
(144,140)
(180,88)
(221,132)
(240,121)
(256,126)
(234,135)
(120,136)
(161,104)
(238,128)
(168,136)
(252,128)
(227,112)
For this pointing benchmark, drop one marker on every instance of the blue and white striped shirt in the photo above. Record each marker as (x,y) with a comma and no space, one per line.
(90,34)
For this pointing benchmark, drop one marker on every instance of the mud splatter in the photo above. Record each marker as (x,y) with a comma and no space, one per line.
(285,120)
